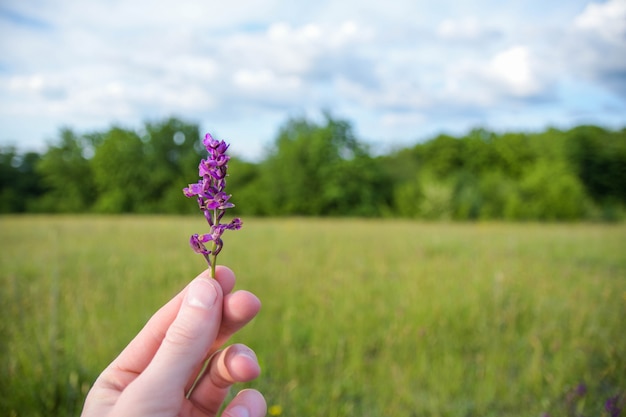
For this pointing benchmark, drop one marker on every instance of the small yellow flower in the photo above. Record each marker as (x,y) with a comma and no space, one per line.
(275,410)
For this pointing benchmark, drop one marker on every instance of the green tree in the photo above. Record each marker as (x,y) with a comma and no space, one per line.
(514,154)
(248,188)
(66,174)
(9,195)
(442,156)
(145,171)
(425,197)
(487,175)
(466,196)
(19,182)
(496,189)
(321,169)
(172,150)
(120,172)
(599,157)
(548,191)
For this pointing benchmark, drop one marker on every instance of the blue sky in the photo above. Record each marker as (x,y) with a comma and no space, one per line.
(399,70)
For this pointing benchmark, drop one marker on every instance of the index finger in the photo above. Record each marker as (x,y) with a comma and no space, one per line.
(140,351)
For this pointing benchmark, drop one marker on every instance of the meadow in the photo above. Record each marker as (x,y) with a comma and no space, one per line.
(359,317)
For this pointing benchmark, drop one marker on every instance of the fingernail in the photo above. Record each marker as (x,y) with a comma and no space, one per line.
(239,411)
(201,293)
(249,353)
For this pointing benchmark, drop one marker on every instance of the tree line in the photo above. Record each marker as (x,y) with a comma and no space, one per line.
(323,169)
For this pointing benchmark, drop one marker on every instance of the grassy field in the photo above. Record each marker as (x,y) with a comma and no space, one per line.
(359,318)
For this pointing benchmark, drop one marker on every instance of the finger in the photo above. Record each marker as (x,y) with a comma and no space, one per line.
(192,332)
(248,403)
(239,308)
(237,363)
(185,343)
(140,351)
(226,277)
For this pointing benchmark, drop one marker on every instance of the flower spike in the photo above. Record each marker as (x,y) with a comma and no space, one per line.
(212,200)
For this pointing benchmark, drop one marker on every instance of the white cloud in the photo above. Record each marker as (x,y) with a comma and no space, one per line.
(466,29)
(606,19)
(398,68)
(514,69)
(598,46)
(265,81)
(27,84)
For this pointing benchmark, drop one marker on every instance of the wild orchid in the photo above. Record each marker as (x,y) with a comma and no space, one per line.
(212,200)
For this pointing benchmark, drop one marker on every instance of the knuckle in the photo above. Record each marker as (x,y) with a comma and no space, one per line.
(182,333)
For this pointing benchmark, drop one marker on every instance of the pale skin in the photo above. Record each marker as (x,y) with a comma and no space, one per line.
(154,373)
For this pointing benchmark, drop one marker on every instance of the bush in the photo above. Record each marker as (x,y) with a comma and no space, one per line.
(548,191)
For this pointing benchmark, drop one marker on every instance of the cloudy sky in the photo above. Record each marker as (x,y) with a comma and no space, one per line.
(399,70)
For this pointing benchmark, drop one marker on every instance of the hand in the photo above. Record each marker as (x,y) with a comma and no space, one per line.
(154,373)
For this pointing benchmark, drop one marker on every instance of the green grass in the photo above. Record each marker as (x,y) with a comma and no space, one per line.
(359,318)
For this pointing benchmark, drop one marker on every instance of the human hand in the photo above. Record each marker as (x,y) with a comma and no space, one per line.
(153,374)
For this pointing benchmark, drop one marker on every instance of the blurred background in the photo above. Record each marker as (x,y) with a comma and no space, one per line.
(441,185)
(447,110)
(400,71)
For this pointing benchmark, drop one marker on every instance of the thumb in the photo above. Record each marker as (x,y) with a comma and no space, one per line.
(188,338)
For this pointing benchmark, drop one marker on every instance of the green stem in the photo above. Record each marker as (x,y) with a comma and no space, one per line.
(213,261)
(205,365)
(213,254)
(196,381)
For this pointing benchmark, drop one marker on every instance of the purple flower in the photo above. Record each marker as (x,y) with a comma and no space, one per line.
(197,244)
(212,200)
(612,405)
(193,189)
(219,201)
